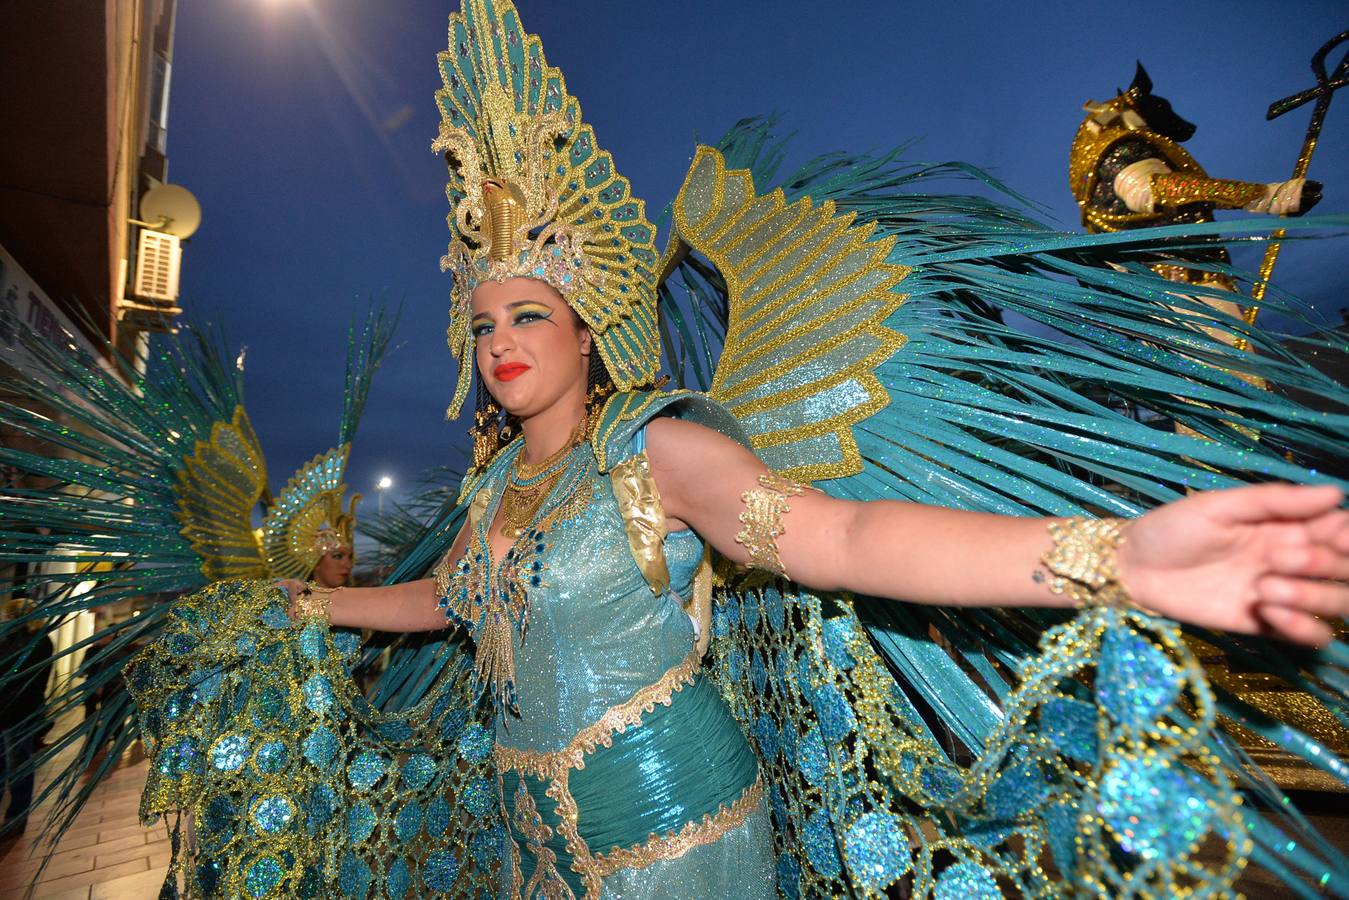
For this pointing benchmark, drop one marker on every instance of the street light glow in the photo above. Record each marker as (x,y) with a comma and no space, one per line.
(385,482)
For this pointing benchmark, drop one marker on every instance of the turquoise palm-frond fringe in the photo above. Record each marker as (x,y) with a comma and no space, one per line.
(1041,376)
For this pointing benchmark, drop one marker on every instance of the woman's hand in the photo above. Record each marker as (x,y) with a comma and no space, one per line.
(292,587)
(1270,559)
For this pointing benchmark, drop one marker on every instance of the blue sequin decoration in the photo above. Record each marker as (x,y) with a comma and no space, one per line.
(837,633)
(354,877)
(1071,725)
(366,769)
(1018,788)
(271,757)
(346,643)
(758,674)
(437,817)
(836,716)
(361,821)
(821,846)
(812,757)
(408,821)
(1136,682)
(479,796)
(230,753)
(322,802)
(439,871)
(966,881)
(488,846)
(312,643)
(263,875)
(877,850)
(275,616)
(766,733)
(399,879)
(418,771)
(220,814)
(320,746)
(475,744)
(1154,809)
(273,814)
(318,693)
(789,876)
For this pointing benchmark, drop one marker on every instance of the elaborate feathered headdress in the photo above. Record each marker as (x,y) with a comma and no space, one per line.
(533,196)
(308,520)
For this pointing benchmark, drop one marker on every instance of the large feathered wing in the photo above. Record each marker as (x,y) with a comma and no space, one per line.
(809,295)
(219,486)
(890,343)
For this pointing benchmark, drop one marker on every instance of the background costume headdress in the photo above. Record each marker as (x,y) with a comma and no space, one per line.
(532,195)
(225,477)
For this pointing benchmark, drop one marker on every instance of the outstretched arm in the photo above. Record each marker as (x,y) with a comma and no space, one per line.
(1262,559)
(411,606)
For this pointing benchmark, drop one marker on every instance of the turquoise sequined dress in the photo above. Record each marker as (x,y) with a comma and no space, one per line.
(621,770)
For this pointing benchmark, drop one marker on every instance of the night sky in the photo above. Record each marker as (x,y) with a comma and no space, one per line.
(304,126)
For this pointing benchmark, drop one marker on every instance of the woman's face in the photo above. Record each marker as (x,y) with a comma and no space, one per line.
(334,568)
(531,349)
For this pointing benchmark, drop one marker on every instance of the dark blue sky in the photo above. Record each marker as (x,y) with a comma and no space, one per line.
(304,126)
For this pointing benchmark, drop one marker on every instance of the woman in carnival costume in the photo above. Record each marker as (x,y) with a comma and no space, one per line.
(669,674)
(139,479)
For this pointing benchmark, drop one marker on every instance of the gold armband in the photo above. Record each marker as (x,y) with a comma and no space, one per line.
(1181,188)
(1083,562)
(762,520)
(312,602)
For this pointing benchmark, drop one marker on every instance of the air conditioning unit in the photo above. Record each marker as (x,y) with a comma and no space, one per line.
(158,261)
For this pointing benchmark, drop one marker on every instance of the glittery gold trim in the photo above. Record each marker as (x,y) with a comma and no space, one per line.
(762,520)
(545,880)
(674,844)
(615,720)
(1182,188)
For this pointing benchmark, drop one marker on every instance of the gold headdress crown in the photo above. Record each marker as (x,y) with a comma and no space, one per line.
(533,196)
(308,520)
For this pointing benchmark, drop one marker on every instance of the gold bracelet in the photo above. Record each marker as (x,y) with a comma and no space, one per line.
(312,602)
(1084,562)
(762,520)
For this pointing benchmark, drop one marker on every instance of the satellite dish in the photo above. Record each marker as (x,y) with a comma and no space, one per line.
(175,206)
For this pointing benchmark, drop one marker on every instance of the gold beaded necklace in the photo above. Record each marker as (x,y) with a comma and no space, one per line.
(528,486)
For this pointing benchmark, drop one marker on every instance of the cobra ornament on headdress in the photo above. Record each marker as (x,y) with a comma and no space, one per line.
(533,196)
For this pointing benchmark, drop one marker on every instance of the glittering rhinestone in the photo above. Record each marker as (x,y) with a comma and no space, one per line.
(876,850)
(272,814)
(229,753)
(966,881)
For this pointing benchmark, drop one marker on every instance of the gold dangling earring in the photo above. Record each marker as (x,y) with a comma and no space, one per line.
(486,437)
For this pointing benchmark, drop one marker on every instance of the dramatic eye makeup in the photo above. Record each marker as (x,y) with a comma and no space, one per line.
(530,311)
(522,312)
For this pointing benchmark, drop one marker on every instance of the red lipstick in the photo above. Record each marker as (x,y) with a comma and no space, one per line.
(509,371)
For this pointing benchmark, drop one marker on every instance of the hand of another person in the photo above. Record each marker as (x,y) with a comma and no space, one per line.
(293,587)
(1268,559)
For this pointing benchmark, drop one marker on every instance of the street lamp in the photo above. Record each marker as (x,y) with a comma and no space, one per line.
(384,483)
